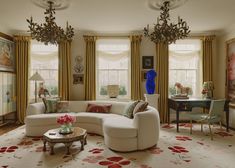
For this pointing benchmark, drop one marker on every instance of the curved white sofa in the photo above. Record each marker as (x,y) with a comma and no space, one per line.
(120,133)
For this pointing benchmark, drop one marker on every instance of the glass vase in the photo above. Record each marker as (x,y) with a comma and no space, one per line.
(66,128)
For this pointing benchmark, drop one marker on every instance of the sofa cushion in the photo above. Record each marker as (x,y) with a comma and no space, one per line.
(82,117)
(43,119)
(93,118)
(119,127)
(128,111)
(63,106)
(141,106)
(98,108)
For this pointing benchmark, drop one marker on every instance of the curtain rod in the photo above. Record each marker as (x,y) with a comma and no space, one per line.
(113,36)
(200,37)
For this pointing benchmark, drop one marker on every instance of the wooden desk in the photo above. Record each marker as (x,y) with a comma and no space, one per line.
(188,104)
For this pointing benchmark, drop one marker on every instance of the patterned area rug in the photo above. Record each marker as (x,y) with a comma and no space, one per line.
(174,150)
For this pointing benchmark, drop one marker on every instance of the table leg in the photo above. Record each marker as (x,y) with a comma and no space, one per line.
(227,120)
(52,148)
(82,143)
(68,145)
(44,145)
(168,115)
(177,120)
(85,139)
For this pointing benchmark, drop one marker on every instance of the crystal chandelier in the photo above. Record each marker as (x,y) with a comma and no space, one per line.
(165,32)
(49,32)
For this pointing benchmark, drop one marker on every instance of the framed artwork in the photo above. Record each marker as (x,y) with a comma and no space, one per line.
(230,70)
(144,75)
(78,67)
(78,78)
(7,93)
(147,62)
(7,53)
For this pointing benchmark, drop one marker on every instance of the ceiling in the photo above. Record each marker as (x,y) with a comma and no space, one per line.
(119,16)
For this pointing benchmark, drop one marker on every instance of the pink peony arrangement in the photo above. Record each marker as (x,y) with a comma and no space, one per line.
(66,119)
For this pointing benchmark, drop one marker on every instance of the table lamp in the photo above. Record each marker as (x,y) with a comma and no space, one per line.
(36,77)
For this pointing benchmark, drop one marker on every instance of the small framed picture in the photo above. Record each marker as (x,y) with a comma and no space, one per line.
(147,62)
(78,78)
(144,75)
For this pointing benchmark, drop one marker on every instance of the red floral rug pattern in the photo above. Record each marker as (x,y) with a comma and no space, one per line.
(173,150)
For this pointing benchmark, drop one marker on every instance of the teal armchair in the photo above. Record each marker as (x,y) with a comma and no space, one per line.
(214,116)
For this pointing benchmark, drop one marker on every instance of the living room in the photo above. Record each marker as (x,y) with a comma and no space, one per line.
(108,84)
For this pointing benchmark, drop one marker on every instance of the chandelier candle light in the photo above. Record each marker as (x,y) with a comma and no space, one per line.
(165,32)
(50,32)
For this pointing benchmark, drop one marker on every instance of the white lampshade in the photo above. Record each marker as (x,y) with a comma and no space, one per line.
(36,77)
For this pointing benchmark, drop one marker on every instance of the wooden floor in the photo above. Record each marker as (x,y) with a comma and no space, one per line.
(8,127)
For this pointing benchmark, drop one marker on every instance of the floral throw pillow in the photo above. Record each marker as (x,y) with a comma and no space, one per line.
(62,106)
(98,108)
(50,104)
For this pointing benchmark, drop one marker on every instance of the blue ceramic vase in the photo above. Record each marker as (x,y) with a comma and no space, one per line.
(150,82)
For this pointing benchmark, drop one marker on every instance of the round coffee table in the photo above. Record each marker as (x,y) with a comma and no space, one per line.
(53,136)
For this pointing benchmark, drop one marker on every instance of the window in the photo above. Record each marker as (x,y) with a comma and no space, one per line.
(185,65)
(44,60)
(113,67)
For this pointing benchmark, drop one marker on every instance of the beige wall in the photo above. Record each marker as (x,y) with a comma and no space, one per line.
(78,48)
(5,30)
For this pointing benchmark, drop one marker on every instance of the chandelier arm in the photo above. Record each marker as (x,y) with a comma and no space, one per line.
(50,32)
(165,32)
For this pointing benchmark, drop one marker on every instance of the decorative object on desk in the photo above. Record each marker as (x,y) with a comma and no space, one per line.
(180,96)
(147,62)
(50,32)
(178,88)
(43,91)
(36,77)
(150,82)
(113,91)
(182,91)
(7,53)
(207,91)
(78,67)
(163,31)
(66,123)
(78,78)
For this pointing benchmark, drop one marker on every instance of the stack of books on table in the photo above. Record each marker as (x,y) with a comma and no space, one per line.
(180,96)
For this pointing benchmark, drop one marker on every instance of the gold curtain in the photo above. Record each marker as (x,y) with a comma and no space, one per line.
(136,85)
(162,68)
(90,71)
(22,53)
(64,69)
(207,58)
